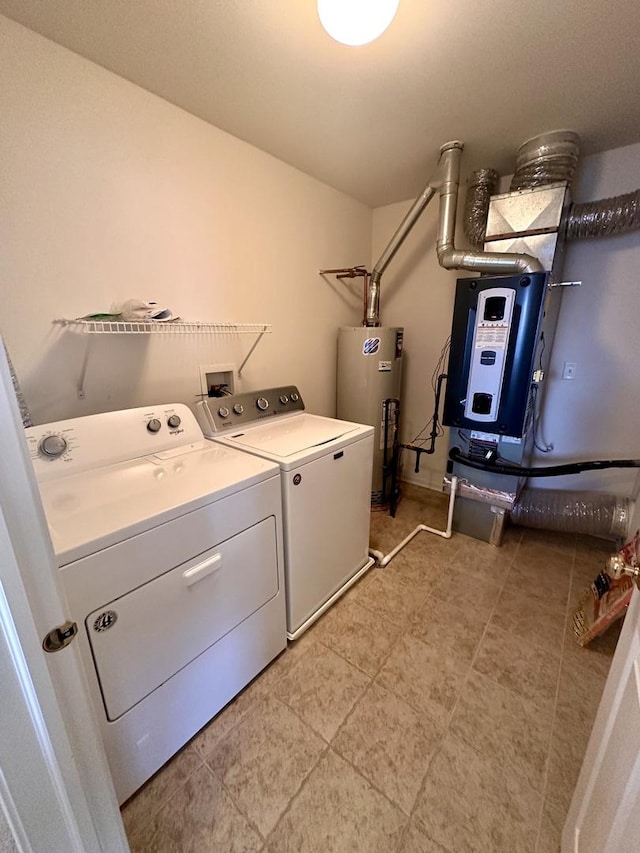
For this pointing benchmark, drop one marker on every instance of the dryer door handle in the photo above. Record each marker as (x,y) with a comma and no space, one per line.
(202,570)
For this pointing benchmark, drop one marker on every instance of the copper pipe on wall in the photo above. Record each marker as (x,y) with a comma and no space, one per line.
(354,272)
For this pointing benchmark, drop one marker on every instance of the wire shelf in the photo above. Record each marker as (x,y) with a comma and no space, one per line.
(121,327)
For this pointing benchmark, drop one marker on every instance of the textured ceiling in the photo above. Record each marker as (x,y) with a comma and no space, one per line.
(370,120)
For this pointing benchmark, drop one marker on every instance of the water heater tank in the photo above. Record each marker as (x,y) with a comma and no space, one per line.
(369,372)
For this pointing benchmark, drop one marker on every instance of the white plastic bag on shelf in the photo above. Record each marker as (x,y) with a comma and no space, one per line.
(136,310)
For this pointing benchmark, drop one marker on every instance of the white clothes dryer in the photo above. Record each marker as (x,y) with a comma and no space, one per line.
(325,469)
(170,551)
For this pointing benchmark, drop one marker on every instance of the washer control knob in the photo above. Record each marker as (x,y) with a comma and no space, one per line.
(173,421)
(53,446)
(154,425)
(295,397)
(284,399)
(238,408)
(262,403)
(223,412)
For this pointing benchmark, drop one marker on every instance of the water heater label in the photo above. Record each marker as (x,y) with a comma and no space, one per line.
(371,346)
(384,367)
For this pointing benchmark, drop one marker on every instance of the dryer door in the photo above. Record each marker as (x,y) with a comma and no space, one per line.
(144,637)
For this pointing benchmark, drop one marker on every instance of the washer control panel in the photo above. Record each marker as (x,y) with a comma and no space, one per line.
(78,444)
(242,409)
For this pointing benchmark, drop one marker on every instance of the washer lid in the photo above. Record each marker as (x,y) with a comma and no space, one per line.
(94,509)
(292,435)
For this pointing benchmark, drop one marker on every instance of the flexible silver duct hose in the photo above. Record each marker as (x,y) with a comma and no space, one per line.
(482,185)
(602,218)
(545,159)
(24,409)
(589,513)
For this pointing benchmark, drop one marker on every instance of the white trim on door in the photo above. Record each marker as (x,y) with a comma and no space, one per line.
(56,789)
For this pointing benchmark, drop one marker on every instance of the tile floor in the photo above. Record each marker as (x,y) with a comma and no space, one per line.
(441,706)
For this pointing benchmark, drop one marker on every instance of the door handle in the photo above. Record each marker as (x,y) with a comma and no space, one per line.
(202,570)
(60,637)
(617,568)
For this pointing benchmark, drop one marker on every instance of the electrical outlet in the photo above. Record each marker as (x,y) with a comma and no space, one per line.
(569,370)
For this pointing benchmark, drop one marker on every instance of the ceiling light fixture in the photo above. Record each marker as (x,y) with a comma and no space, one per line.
(356,22)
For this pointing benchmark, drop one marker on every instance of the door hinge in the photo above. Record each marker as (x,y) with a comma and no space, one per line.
(60,637)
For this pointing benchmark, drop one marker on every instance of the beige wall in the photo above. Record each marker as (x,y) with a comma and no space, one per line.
(108,192)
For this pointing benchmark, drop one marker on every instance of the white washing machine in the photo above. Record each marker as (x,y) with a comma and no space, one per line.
(170,550)
(326,483)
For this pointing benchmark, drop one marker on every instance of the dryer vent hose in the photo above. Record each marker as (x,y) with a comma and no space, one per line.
(590,513)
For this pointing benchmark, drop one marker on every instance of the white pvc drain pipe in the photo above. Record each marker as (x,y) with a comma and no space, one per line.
(383,560)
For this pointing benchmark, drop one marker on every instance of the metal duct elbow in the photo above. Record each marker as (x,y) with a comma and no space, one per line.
(448,256)
(488,262)
(605,217)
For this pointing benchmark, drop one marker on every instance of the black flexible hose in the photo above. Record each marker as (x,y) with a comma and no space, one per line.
(456,455)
